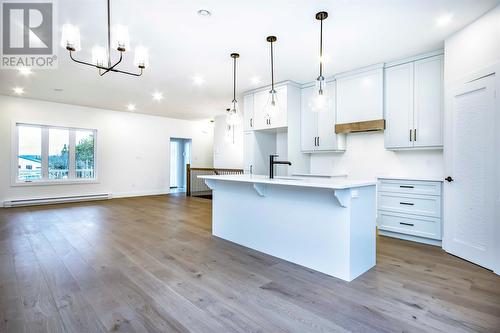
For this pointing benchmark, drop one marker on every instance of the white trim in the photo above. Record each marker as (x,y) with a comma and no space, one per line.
(276,85)
(359,70)
(72,155)
(414,58)
(45,182)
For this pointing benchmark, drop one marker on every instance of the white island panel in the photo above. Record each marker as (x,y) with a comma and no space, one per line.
(328,226)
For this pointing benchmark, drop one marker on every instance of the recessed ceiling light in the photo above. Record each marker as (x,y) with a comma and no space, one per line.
(198,80)
(157,96)
(204,13)
(131,107)
(255,80)
(58,89)
(18,90)
(25,71)
(443,20)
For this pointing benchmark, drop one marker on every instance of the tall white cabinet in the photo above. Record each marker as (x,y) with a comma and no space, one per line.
(414,104)
(318,128)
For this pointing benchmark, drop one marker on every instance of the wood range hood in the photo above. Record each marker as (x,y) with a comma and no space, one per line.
(361,126)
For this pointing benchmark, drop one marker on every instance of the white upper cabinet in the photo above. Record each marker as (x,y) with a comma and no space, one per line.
(414,104)
(399,106)
(317,129)
(428,102)
(260,118)
(248,112)
(360,95)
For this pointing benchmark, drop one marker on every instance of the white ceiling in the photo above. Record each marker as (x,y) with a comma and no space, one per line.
(182,44)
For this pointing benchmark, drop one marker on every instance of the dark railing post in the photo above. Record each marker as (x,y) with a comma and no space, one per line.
(188,180)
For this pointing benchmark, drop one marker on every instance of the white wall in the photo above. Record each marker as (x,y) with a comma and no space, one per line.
(133,149)
(227,155)
(366,157)
(474,47)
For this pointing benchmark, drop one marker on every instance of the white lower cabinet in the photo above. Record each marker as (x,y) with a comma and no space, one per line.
(317,129)
(410,209)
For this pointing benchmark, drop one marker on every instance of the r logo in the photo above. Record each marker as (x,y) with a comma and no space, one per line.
(27,28)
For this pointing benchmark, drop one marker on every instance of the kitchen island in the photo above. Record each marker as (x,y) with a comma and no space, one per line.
(327,225)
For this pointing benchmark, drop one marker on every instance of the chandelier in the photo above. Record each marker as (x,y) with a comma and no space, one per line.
(118,39)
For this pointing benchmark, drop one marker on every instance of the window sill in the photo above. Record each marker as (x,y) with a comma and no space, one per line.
(55,182)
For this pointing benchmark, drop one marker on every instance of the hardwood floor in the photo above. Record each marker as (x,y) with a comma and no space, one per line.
(150,265)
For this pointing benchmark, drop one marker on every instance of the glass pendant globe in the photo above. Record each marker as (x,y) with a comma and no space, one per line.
(272,107)
(321,99)
(233,115)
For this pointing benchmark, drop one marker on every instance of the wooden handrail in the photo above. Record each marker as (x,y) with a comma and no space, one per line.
(216,171)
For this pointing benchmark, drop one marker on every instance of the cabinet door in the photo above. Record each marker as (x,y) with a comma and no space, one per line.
(327,139)
(428,111)
(248,152)
(360,96)
(308,121)
(259,117)
(248,112)
(280,119)
(399,106)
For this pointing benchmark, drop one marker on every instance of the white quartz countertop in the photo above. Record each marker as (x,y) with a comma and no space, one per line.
(315,182)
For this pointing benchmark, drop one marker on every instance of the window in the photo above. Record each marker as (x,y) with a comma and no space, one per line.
(55,154)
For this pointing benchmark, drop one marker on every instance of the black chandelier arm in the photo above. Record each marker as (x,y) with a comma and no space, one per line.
(110,69)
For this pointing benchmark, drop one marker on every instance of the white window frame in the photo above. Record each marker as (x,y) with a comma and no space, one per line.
(15,181)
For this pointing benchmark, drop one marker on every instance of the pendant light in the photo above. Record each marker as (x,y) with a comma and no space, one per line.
(233,114)
(272,105)
(320,100)
(229,135)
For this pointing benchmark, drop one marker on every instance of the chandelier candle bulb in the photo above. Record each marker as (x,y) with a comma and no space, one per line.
(99,55)
(70,37)
(120,39)
(141,57)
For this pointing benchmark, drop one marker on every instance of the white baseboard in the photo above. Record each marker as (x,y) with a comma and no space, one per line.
(429,241)
(139,194)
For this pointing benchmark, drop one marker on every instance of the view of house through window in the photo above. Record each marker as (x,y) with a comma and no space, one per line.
(68,154)
(29,159)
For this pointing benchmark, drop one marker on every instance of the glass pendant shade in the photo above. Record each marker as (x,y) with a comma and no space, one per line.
(321,99)
(120,39)
(70,37)
(272,107)
(141,57)
(99,55)
(233,116)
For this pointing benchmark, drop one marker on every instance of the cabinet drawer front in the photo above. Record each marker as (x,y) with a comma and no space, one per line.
(410,187)
(411,204)
(422,227)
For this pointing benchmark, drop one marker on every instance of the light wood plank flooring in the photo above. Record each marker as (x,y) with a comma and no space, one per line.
(150,265)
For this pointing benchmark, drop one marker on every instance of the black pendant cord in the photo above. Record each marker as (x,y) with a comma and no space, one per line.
(272,68)
(109,35)
(234,82)
(321,50)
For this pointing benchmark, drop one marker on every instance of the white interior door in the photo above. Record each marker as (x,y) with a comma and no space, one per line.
(470,151)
